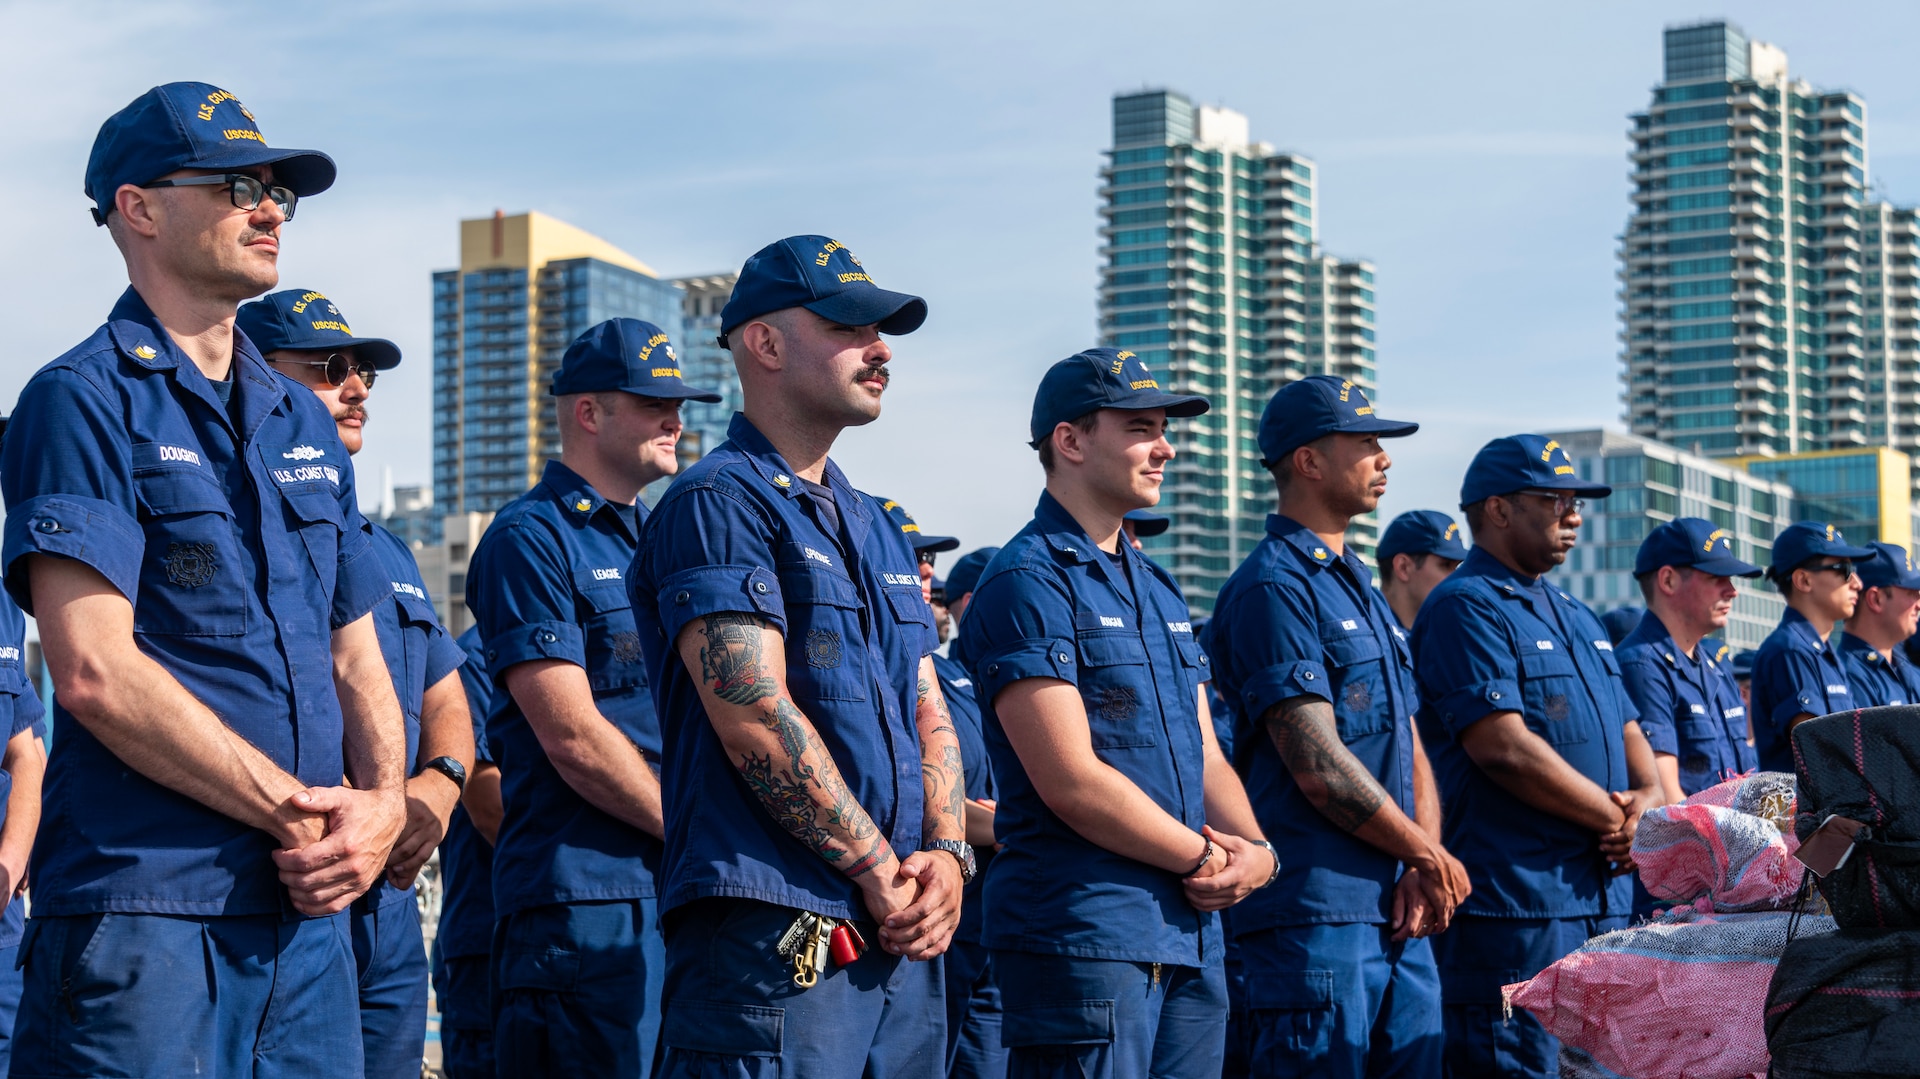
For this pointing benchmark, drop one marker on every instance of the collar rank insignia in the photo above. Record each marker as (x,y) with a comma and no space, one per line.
(582,506)
(782,479)
(145,352)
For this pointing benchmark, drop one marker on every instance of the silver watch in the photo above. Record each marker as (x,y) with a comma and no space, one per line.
(962,853)
(1275,875)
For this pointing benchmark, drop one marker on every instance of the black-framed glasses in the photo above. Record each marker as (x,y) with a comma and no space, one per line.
(926,557)
(338,367)
(245,191)
(1563,503)
(1844,569)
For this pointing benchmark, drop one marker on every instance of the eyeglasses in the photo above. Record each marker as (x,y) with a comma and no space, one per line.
(1563,503)
(245,191)
(1844,569)
(926,557)
(339,367)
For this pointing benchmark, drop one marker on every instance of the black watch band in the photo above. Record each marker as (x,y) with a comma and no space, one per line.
(450,768)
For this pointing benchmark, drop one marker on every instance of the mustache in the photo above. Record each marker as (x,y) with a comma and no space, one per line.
(885,376)
(351,412)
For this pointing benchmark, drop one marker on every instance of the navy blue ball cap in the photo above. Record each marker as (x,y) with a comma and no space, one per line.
(1101,378)
(921,541)
(1621,621)
(1519,462)
(1147,524)
(1316,406)
(966,571)
(1803,541)
(821,275)
(624,354)
(304,319)
(1418,532)
(1742,663)
(1890,566)
(1690,541)
(190,125)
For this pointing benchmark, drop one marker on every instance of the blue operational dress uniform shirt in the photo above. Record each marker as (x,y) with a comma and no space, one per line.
(973,997)
(1492,640)
(1080,935)
(388,946)
(25,712)
(1298,620)
(576,955)
(1873,679)
(465,935)
(232,529)
(1794,672)
(741,533)
(1689,707)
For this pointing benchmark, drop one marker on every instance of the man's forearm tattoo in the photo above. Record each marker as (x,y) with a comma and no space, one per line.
(732,661)
(1304,733)
(944,776)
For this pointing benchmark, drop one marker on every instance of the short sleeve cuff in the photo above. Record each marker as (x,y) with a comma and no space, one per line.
(1796,704)
(1661,735)
(88,530)
(1046,657)
(360,584)
(705,590)
(1470,704)
(536,640)
(1284,681)
(443,656)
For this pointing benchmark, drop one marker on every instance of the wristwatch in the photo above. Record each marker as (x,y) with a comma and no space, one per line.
(962,852)
(1275,875)
(450,768)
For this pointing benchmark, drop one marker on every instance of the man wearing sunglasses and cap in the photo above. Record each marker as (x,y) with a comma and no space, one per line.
(1124,831)
(1543,771)
(925,548)
(1417,551)
(1878,671)
(1689,704)
(1310,652)
(1797,673)
(576,948)
(304,335)
(182,522)
(816,847)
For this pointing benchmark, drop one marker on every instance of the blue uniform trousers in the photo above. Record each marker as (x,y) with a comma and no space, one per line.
(1477,956)
(1236,1058)
(250,996)
(577,989)
(466,1015)
(1341,1001)
(733,1010)
(11,984)
(973,1014)
(1066,1016)
(390,957)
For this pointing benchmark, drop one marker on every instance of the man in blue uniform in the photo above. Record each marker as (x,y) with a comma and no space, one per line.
(816,846)
(1102,905)
(22,766)
(1417,551)
(1690,707)
(304,335)
(1542,769)
(181,522)
(576,955)
(1304,647)
(465,937)
(973,997)
(926,548)
(1797,673)
(1877,668)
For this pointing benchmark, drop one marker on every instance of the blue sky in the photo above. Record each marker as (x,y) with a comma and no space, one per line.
(1474,151)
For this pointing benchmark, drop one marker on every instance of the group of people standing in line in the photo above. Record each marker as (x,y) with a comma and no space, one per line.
(709,799)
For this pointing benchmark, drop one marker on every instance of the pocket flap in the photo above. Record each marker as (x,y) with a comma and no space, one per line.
(1349,647)
(179,490)
(414,609)
(909,605)
(1539,663)
(313,505)
(723,1029)
(1080,1022)
(819,585)
(1110,650)
(600,597)
(551,969)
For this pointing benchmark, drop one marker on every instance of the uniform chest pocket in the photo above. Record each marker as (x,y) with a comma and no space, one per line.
(1117,689)
(1548,685)
(1356,664)
(315,513)
(192,580)
(825,645)
(614,657)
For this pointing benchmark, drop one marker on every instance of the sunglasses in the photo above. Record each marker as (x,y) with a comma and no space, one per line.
(1844,569)
(1563,503)
(926,557)
(247,192)
(338,367)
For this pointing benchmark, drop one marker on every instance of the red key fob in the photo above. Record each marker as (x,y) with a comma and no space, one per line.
(847,945)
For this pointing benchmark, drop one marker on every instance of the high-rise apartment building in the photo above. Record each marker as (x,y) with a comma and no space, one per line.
(1769,303)
(1211,272)
(705,364)
(526,287)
